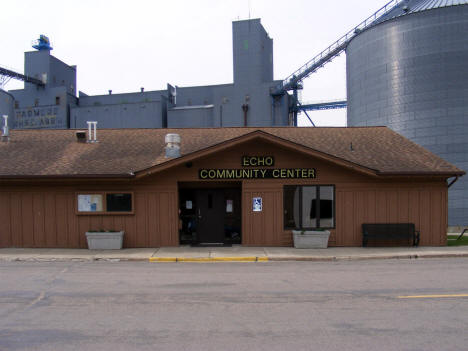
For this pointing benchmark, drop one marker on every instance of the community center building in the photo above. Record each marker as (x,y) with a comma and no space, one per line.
(247,186)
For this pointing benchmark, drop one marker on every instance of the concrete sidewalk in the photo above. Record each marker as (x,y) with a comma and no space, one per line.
(235,253)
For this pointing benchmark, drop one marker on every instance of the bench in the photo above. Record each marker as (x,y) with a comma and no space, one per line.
(396,231)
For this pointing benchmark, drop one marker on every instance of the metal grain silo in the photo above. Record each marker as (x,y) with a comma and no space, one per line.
(410,73)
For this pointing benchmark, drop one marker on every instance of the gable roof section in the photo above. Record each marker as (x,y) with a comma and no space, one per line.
(126,152)
(255,135)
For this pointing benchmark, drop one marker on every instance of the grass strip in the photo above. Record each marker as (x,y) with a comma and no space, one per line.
(452,240)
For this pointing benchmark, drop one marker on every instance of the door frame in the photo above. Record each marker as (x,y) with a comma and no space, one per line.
(188,236)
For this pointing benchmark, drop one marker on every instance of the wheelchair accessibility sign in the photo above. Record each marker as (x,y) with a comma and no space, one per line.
(257,204)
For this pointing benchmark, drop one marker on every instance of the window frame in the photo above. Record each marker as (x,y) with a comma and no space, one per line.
(104,203)
(317,196)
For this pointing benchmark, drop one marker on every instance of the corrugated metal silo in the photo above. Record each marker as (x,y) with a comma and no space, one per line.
(410,73)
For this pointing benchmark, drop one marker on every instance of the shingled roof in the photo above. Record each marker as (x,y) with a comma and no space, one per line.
(126,152)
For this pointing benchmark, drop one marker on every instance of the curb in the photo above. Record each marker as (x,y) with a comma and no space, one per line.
(358,258)
(71,259)
(209,259)
(236,259)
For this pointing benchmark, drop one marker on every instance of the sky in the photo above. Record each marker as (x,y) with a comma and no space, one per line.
(125,45)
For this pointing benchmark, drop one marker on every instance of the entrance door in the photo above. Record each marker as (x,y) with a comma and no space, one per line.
(210,213)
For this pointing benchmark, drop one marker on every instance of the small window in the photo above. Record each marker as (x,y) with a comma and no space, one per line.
(119,202)
(309,207)
(57,100)
(105,203)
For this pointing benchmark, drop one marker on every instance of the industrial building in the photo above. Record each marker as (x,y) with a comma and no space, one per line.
(406,69)
(49,98)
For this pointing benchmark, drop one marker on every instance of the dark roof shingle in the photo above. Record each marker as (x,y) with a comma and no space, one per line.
(121,152)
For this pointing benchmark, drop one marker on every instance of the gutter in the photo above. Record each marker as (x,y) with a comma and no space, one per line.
(73,176)
(415,173)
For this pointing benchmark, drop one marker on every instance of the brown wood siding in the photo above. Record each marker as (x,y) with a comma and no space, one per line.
(5,217)
(16,220)
(425,207)
(43,214)
(27,217)
(50,226)
(48,219)
(262,228)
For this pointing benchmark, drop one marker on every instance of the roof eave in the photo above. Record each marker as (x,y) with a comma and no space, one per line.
(71,176)
(429,173)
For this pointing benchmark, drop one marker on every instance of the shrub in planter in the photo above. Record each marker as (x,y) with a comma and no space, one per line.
(311,239)
(104,240)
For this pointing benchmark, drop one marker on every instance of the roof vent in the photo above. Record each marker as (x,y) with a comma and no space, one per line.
(92,137)
(81,136)
(172,145)
(405,8)
(6,130)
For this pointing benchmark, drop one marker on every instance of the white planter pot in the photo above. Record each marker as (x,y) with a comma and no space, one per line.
(311,239)
(104,240)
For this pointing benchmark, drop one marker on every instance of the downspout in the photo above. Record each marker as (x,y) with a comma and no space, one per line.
(273,111)
(452,182)
(221,115)
(245,108)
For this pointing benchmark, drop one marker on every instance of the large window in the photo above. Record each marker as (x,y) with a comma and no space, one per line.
(309,207)
(105,202)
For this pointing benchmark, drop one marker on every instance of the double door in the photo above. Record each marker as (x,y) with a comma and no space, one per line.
(210,216)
